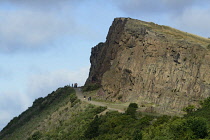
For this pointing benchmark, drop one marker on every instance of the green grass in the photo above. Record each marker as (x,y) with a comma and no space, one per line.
(61,116)
(31,118)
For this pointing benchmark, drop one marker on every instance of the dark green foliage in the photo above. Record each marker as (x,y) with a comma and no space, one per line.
(73,99)
(144,122)
(92,130)
(198,126)
(189,109)
(86,124)
(133,105)
(195,125)
(161,120)
(208,47)
(36,136)
(137,135)
(51,103)
(206,102)
(131,110)
(77,127)
(91,87)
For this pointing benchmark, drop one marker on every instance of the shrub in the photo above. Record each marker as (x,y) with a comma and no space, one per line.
(198,126)
(73,97)
(161,120)
(131,110)
(92,130)
(208,47)
(137,135)
(36,136)
(91,87)
(189,109)
(206,102)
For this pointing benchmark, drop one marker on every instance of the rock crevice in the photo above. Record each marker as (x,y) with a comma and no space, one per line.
(152,65)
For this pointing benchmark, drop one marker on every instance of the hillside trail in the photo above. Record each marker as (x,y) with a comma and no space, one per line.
(105,104)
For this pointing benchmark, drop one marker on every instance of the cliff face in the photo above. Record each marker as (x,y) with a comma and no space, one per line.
(160,68)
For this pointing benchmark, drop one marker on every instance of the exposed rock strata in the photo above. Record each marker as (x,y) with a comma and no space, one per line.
(158,67)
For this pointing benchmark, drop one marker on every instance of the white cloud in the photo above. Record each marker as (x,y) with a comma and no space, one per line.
(196,20)
(12,104)
(157,7)
(42,4)
(28,29)
(5,117)
(43,84)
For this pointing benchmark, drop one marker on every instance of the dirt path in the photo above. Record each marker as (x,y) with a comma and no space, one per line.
(109,106)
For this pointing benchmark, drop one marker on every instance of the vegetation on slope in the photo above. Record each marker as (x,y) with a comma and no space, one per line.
(64,117)
(134,126)
(40,110)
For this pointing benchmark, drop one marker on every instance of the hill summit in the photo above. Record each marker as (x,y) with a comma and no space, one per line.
(160,68)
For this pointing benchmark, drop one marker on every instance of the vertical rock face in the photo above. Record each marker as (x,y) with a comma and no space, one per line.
(158,67)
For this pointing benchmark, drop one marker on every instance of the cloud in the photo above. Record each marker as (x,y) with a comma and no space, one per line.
(29,30)
(195,20)
(5,117)
(43,84)
(136,7)
(12,104)
(188,15)
(45,5)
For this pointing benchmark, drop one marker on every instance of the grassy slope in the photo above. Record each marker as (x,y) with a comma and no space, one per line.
(64,117)
(33,116)
(47,115)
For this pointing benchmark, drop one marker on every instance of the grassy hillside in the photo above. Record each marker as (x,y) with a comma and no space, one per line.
(48,115)
(61,116)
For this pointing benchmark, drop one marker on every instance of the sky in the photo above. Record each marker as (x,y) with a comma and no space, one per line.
(46,44)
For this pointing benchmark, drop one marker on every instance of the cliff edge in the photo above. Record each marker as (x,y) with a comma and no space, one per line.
(160,68)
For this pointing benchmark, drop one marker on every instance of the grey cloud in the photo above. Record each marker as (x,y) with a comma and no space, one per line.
(12,104)
(29,29)
(195,20)
(43,84)
(187,15)
(136,7)
(42,4)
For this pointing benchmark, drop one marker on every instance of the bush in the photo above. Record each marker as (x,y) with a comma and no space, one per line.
(206,102)
(92,130)
(131,110)
(198,126)
(189,109)
(137,135)
(73,97)
(161,120)
(36,136)
(208,47)
(91,87)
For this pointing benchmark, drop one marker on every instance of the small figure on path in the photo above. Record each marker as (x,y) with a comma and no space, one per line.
(84,97)
(89,98)
(75,85)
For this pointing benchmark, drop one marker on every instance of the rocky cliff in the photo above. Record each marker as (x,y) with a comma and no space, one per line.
(160,68)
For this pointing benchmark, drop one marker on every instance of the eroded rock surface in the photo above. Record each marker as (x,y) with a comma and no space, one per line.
(160,68)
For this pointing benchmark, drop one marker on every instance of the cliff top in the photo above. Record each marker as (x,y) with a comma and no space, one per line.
(134,25)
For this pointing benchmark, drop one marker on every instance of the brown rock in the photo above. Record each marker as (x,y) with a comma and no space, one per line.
(155,66)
